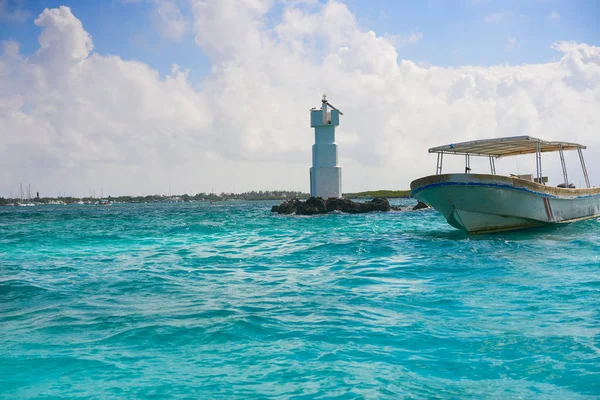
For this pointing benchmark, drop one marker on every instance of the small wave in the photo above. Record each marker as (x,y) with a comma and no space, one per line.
(18,288)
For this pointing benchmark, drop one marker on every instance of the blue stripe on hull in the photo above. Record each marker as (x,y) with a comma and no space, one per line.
(498,186)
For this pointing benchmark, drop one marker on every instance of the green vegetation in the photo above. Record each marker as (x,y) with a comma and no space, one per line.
(389,194)
(157,198)
(268,195)
(253,195)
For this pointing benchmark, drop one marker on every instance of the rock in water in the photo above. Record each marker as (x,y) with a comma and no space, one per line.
(336,204)
(378,204)
(287,207)
(312,206)
(317,205)
(420,205)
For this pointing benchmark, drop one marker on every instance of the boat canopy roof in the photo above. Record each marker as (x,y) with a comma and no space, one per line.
(504,147)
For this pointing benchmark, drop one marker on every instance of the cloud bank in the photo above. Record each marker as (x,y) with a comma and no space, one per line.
(72,119)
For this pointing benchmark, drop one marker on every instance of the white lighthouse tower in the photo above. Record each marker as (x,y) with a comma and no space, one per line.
(325,173)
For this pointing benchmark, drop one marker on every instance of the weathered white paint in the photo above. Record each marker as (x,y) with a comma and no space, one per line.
(480,203)
(325,173)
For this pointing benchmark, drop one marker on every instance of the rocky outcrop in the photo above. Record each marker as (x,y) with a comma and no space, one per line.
(287,207)
(349,206)
(420,205)
(317,205)
(312,206)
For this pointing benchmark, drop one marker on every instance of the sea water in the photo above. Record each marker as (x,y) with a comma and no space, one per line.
(228,300)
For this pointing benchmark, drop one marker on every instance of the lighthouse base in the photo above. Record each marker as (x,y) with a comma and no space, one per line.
(326,182)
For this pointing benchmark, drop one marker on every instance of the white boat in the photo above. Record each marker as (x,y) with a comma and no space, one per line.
(482,203)
(25,202)
(103,202)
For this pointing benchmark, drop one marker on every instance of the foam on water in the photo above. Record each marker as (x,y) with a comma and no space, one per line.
(229,301)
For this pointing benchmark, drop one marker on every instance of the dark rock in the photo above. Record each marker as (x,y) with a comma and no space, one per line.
(312,206)
(316,205)
(420,205)
(349,206)
(338,204)
(287,207)
(378,204)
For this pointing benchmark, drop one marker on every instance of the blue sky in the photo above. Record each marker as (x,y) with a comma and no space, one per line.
(238,120)
(452,32)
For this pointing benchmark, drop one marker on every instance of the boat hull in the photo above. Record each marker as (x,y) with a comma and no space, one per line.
(478,203)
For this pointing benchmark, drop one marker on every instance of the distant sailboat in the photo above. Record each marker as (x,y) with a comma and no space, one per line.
(23,202)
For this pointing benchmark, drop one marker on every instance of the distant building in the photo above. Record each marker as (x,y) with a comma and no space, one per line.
(325,173)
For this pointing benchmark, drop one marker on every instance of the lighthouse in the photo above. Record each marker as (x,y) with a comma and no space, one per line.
(325,173)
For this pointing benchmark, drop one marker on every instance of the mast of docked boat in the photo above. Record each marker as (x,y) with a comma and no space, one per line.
(585,174)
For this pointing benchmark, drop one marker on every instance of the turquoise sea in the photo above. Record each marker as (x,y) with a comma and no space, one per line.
(228,301)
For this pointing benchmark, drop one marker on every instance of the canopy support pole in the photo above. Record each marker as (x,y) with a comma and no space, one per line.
(585,174)
(538,162)
(564,167)
(440,160)
(492,165)
(467,164)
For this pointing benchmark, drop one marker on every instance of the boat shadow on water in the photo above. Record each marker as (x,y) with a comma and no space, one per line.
(538,232)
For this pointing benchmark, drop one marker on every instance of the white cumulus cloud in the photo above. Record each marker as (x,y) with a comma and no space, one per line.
(170,21)
(72,119)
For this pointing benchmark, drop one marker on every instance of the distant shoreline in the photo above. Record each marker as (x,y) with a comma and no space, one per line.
(210,197)
(157,198)
(388,194)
